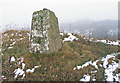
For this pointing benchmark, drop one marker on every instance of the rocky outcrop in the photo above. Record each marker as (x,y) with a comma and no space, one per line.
(45,35)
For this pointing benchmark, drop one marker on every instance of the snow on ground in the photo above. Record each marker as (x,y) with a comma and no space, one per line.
(61,34)
(108,72)
(30,70)
(33,69)
(105,59)
(6,34)
(23,65)
(111,68)
(12,43)
(109,42)
(20,34)
(88,63)
(19,71)
(20,60)
(10,47)
(70,38)
(85,78)
(3,77)
(103,41)
(12,59)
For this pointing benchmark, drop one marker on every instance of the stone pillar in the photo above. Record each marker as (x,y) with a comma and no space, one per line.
(45,35)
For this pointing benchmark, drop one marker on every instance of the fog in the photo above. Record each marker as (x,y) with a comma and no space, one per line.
(92,18)
(20,11)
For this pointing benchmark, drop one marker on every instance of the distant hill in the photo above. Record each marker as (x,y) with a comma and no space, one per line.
(97,29)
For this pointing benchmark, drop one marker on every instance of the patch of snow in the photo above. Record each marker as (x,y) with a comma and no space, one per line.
(20,34)
(23,76)
(93,79)
(84,65)
(61,34)
(18,72)
(44,68)
(100,65)
(30,70)
(10,39)
(12,34)
(70,38)
(10,47)
(88,63)
(85,78)
(105,59)
(12,43)
(109,72)
(23,65)
(111,68)
(21,60)
(5,34)
(12,59)
(28,34)
(95,64)
(109,42)
(94,71)
(74,68)
(21,38)
(36,66)
(3,77)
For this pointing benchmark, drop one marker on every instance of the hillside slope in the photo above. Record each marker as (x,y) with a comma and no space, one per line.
(19,64)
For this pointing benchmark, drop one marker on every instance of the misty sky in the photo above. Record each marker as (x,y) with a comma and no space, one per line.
(20,11)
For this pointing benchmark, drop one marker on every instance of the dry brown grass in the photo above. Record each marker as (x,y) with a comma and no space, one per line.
(59,65)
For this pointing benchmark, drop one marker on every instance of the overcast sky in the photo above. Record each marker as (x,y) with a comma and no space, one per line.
(20,11)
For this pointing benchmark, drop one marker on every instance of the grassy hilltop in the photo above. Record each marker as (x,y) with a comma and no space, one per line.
(55,66)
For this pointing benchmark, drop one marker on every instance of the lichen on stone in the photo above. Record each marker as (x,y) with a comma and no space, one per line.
(45,36)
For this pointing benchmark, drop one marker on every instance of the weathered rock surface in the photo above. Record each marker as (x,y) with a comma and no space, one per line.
(45,35)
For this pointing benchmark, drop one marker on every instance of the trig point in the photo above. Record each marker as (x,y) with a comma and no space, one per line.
(45,35)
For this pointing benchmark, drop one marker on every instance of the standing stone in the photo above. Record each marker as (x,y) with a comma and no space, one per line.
(45,35)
